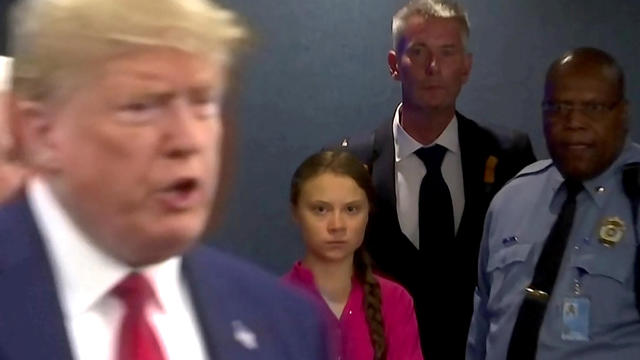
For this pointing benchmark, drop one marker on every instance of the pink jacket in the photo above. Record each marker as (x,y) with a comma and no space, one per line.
(400,325)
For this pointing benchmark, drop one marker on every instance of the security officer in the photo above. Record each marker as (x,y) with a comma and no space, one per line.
(557,261)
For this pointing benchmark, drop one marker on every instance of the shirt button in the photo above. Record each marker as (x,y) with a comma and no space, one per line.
(350,312)
(600,189)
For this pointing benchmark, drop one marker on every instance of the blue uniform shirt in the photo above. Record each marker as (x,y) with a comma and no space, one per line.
(516,226)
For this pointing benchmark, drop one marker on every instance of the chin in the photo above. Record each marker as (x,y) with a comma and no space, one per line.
(577,172)
(160,248)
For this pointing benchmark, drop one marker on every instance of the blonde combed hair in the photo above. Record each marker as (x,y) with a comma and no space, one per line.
(56,42)
(426,9)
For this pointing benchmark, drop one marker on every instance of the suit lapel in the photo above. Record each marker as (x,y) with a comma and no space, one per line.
(211,299)
(31,320)
(473,156)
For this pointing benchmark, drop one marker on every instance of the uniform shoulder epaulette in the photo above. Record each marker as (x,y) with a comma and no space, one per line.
(535,168)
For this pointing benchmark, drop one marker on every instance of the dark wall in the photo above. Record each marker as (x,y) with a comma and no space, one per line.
(319,73)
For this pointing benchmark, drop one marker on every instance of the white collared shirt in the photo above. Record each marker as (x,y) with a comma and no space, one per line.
(410,170)
(84,277)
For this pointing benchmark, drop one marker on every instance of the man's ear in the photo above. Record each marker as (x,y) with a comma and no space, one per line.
(392,61)
(33,129)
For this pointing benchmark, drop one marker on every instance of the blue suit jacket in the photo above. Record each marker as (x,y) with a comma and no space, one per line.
(224,291)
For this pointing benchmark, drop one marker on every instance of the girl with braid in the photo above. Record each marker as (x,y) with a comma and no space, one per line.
(373,318)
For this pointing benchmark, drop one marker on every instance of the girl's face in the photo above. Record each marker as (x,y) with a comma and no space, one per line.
(332,212)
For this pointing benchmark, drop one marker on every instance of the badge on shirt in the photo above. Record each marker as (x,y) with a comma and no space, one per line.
(576,312)
(611,231)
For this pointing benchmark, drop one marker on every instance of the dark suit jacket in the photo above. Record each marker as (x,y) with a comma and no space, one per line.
(223,290)
(441,282)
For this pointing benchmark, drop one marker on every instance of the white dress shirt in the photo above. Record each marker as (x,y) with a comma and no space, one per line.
(84,277)
(410,170)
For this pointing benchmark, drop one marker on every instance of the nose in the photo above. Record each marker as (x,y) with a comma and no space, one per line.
(336,223)
(575,119)
(433,65)
(182,130)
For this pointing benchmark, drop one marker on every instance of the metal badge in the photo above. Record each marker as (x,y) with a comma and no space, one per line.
(611,231)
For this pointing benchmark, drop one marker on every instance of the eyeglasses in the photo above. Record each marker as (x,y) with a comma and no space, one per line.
(590,109)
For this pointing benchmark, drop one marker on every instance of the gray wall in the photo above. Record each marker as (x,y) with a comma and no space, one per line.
(318,73)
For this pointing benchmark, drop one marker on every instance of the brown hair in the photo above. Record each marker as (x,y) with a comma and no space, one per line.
(343,163)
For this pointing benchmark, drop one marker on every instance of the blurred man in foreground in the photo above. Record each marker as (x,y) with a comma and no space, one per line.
(119,106)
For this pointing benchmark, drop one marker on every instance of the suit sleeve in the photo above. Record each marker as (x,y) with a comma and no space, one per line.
(476,341)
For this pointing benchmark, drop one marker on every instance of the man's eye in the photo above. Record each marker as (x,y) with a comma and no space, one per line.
(416,51)
(555,107)
(138,106)
(140,112)
(205,99)
(448,52)
(352,209)
(594,107)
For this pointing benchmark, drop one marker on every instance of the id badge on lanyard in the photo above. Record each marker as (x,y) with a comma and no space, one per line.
(576,314)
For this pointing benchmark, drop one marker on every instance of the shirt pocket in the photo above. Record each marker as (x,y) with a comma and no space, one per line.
(610,263)
(607,280)
(508,272)
(507,256)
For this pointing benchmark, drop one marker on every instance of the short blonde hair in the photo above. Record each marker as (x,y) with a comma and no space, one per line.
(429,9)
(56,42)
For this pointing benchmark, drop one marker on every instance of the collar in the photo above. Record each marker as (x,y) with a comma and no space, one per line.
(84,273)
(302,275)
(405,145)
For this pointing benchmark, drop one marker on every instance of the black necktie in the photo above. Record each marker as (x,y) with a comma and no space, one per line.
(438,295)
(524,339)
(435,210)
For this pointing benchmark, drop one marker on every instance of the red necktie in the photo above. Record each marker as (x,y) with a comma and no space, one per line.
(137,339)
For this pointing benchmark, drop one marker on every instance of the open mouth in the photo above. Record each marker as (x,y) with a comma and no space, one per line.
(181,194)
(184,185)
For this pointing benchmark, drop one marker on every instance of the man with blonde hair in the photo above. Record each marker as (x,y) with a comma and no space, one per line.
(435,172)
(120,106)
